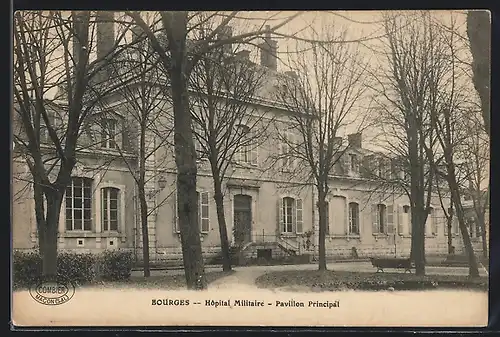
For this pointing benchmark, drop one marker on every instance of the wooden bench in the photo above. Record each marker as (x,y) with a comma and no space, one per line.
(397,263)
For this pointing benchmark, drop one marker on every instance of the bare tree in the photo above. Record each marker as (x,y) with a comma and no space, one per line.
(446,103)
(402,95)
(52,49)
(147,125)
(323,94)
(228,127)
(476,164)
(178,56)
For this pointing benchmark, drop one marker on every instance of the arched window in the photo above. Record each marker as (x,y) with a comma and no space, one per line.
(110,208)
(79,204)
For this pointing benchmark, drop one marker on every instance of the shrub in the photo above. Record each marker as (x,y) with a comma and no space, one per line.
(80,268)
(77,267)
(115,265)
(26,268)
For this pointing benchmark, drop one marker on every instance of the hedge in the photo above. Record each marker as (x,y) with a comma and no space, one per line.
(80,268)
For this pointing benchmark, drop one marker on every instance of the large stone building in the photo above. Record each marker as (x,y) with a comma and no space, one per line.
(273,209)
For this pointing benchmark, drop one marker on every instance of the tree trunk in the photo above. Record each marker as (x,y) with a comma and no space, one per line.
(322,230)
(418,240)
(224,241)
(479,33)
(482,225)
(49,252)
(449,223)
(144,230)
(473,267)
(142,198)
(39,214)
(185,155)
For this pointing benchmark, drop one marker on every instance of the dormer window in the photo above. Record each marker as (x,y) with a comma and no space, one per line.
(353,163)
(109,134)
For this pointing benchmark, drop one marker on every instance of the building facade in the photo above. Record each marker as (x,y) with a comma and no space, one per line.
(268,208)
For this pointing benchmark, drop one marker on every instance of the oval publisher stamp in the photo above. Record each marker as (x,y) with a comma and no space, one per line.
(52,292)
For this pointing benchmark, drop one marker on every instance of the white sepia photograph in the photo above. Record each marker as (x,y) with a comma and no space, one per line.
(250,168)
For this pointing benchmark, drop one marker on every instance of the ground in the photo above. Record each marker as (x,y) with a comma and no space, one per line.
(126,304)
(246,277)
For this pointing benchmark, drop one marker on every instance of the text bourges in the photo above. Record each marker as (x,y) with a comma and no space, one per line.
(248,303)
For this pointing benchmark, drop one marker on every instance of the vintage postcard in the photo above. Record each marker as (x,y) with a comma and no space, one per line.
(313,168)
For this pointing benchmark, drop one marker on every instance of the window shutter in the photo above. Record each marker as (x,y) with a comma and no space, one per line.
(175,226)
(390,219)
(280,223)
(344,163)
(281,149)
(409,222)
(400,219)
(434,223)
(455,226)
(291,149)
(346,217)
(374,219)
(254,154)
(299,216)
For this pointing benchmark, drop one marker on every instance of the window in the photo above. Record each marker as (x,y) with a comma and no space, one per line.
(109,208)
(108,134)
(199,142)
(431,223)
(353,218)
(44,132)
(291,215)
(380,168)
(478,229)
(203,211)
(247,153)
(381,217)
(288,215)
(353,163)
(404,225)
(79,204)
(286,151)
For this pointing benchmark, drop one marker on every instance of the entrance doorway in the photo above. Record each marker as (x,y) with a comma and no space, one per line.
(242,207)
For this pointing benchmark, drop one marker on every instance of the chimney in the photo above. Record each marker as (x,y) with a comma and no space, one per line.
(226,33)
(355,140)
(243,55)
(77,17)
(291,74)
(268,51)
(105,33)
(337,141)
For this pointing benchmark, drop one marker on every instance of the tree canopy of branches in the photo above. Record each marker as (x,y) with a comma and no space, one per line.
(147,124)
(228,126)
(179,55)
(323,96)
(423,97)
(53,50)
(403,92)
